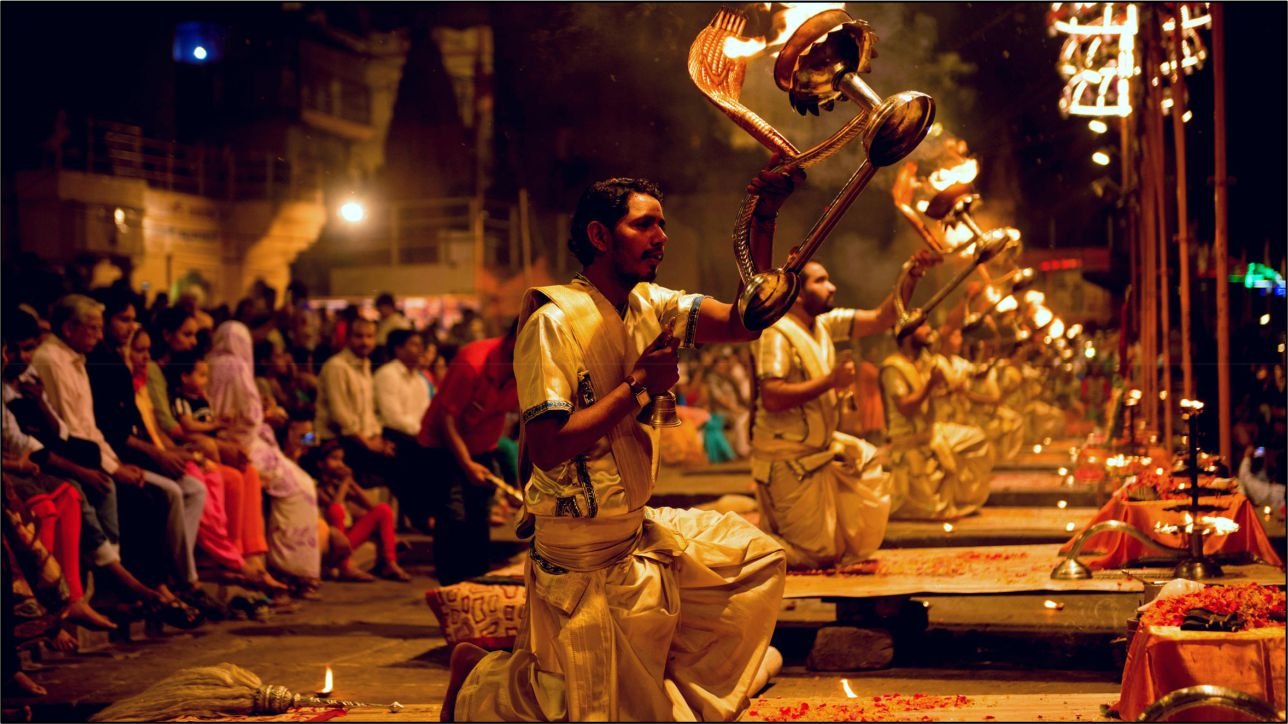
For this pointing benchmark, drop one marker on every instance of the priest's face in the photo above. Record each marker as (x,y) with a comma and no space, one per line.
(639,240)
(818,293)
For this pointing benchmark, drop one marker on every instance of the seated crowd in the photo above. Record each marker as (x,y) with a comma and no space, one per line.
(149,450)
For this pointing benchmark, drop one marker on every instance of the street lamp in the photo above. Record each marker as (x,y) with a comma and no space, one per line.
(353,211)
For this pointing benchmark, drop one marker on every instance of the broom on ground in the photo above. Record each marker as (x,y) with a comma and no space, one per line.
(207,692)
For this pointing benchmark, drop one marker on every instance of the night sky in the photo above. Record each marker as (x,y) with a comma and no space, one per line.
(585,91)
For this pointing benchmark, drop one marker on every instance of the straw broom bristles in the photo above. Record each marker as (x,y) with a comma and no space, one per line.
(204,692)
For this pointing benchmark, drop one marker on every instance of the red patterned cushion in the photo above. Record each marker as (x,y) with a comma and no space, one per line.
(483,614)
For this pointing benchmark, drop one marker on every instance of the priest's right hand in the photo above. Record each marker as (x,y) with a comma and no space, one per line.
(843,375)
(659,364)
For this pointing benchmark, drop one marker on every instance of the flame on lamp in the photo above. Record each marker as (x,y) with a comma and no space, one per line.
(962,173)
(328,683)
(1053,605)
(792,17)
(948,527)
(736,47)
(849,693)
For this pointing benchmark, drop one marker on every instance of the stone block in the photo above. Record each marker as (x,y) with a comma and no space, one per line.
(849,648)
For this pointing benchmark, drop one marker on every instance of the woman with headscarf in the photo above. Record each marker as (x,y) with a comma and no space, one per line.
(293,524)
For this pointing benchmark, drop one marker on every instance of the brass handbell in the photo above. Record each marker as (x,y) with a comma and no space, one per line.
(661,412)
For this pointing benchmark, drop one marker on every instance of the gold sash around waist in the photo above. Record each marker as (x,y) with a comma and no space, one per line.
(587,544)
(905,442)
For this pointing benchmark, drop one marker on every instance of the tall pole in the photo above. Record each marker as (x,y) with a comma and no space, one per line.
(1182,210)
(1153,120)
(1220,245)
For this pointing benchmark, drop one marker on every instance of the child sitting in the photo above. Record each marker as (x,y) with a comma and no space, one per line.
(338,494)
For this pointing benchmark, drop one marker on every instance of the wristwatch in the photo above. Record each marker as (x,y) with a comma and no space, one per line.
(640,392)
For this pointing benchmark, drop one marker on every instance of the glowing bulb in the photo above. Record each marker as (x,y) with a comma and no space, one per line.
(1037,448)
(1158,471)
(1266,510)
(1265,319)
(1185,118)
(1097,125)
(1162,395)
(1062,504)
(1100,158)
(353,212)
(948,527)
(1069,527)
(199,53)
(1062,472)
(1281,348)
(118,215)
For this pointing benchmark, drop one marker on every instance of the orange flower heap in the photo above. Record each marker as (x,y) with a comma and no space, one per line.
(1259,606)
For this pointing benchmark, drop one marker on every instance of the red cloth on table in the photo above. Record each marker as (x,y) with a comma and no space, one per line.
(1163,659)
(1119,548)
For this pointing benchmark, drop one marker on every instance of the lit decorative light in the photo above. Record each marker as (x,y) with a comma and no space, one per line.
(118,215)
(1098,58)
(1265,319)
(199,53)
(1057,328)
(1100,158)
(1266,510)
(1062,472)
(353,211)
(1089,353)
(1158,471)
(1185,117)
(1097,126)
(1074,331)
(1053,605)
(1037,448)
(1008,304)
(923,205)
(1281,348)
(1162,395)
(948,527)
(1062,504)
(1070,526)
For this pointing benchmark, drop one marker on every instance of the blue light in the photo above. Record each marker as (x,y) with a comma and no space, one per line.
(199,53)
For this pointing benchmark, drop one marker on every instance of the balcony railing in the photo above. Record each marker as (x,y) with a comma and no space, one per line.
(117,149)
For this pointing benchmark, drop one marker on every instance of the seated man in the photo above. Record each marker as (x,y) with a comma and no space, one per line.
(633,613)
(402,396)
(60,363)
(346,411)
(821,492)
(941,470)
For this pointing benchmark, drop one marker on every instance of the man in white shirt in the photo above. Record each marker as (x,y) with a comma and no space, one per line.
(77,322)
(401,394)
(346,409)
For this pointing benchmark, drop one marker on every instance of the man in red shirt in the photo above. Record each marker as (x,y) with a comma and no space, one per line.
(461,429)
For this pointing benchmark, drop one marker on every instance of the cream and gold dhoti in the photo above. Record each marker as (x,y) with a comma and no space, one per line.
(828,508)
(939,470)
(669,624)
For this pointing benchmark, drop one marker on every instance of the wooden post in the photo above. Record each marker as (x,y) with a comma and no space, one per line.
(525,236)
(1220,245)
(1182,208)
